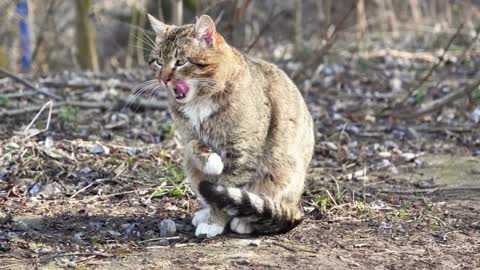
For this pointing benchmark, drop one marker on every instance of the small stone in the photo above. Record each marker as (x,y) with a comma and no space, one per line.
(167,228)
(385,154)
(51,190)
(383,164)
(409,156)
(114,233)
(3,175)
(100,149)
(331,146)
(35,189)
(394,170)
(132,151)
(49,142)
(396,85)
(78,236)
(475,115)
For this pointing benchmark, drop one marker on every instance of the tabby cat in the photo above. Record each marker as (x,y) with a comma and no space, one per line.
(246,129)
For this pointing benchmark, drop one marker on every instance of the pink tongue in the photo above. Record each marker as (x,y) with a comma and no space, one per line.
(181,87)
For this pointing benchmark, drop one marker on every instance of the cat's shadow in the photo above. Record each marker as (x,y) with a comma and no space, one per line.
(84,230)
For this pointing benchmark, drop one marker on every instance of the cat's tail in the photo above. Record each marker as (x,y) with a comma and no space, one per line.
(266,215)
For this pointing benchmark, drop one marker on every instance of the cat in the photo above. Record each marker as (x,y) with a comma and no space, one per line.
(247,133)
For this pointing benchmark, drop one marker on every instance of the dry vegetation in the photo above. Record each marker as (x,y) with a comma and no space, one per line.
(90,176)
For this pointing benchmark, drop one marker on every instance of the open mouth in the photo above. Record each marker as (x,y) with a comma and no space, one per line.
(179,94)
(181,89)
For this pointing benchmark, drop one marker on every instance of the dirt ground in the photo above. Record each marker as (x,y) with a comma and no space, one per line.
(91,191)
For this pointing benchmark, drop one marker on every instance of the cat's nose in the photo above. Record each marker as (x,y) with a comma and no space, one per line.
(166,75)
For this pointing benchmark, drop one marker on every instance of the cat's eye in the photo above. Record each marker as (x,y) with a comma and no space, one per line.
(198,64)
(157,64)
(180,62)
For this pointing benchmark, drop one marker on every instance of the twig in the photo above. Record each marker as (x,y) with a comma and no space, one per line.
(83,254)
(87,186)
(331,197)
(109,195)
(89,105)
(331,38)
(437,104)
(161,238)
(28,84)
(155,247)
(435,66)
(49,104)
(438,219)
(431,190)
(265,27)
(20,95)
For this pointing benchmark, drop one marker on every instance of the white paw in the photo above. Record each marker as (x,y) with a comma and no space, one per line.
(214,165)
(200,217)
(210,230)
(241,227)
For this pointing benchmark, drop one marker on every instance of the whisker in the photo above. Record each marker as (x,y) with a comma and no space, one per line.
(146,35)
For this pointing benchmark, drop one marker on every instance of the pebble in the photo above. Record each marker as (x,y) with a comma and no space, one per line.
(100,149)
(167,228)
(49,142)
(114,233)
(78,236)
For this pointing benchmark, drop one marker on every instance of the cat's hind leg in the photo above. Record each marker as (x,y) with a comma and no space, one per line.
(241,226)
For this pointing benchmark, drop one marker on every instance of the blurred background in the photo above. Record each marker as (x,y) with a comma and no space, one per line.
(113,34)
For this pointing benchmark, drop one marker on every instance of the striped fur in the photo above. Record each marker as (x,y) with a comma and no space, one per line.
(265,215)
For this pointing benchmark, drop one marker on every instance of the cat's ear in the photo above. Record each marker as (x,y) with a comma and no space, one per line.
(159,27)
(205,31)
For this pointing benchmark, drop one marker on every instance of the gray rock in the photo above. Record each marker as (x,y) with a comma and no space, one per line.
(167,228)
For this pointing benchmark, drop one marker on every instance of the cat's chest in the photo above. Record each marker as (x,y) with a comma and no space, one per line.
(206,124)
(197,113)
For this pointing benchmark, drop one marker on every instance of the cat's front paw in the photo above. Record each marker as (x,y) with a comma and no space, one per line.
(200,217)
(204,158)
(214,165)
(210,230)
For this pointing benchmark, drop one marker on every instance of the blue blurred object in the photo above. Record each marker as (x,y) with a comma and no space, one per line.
(22,10)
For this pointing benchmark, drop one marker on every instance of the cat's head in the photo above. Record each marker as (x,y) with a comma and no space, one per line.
(187,58)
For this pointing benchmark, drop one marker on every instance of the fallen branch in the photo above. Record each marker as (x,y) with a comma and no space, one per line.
(28,84)
(423,56)
(152,105)
(429,191)
(437,104)
(435,66)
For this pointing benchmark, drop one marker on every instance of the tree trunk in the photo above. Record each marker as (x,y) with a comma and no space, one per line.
(177,12)
(131,37)
(362,23)
(85,32)
(416,12)
(297,27)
